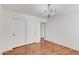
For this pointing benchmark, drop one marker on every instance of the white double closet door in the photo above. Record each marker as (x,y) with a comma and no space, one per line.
(22,32)
(33,31)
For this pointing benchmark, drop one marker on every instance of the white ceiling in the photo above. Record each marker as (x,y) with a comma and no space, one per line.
(35,9)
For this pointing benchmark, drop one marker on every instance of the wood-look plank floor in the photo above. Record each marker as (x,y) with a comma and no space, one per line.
(42,48)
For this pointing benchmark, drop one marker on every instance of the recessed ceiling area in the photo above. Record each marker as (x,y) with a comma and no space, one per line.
(35,9)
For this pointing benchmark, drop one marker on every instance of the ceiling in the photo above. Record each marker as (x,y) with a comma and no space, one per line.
(35,9)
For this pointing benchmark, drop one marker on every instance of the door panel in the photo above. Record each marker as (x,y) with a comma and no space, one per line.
(17,32)
(33,31)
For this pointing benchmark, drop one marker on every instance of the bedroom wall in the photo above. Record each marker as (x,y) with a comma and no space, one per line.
(63,28)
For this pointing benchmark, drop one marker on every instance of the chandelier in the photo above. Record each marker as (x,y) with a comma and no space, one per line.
(49,11)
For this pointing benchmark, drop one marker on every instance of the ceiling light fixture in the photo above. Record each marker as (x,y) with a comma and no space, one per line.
(49,11)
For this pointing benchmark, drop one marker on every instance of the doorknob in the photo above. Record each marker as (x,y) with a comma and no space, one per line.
(13,34)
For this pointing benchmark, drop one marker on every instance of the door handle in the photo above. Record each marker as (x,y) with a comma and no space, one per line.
(13,34)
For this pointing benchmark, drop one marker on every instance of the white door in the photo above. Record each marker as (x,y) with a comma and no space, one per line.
(33,31)
(17,32)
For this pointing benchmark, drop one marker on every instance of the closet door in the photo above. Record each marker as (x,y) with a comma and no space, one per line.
(33,31)
(17,33)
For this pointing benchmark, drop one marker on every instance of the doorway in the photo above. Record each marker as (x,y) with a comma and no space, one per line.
(43,30)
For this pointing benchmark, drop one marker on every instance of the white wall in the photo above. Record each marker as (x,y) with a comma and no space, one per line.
(63,28)
(3,31)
